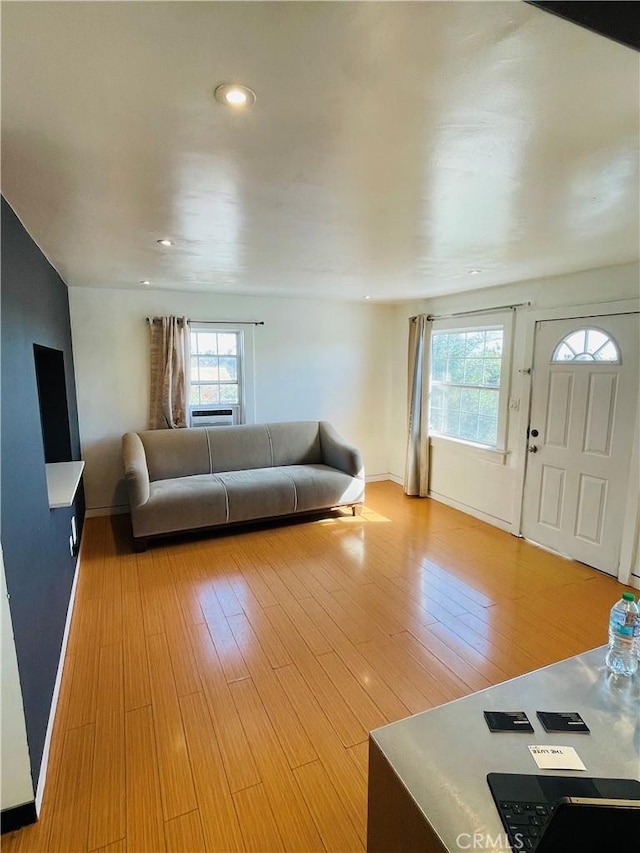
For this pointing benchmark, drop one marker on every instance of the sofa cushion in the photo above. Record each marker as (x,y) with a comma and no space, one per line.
(258,493)
(319,486)
(175,452)
(236,448)
(296,443)
(182,503)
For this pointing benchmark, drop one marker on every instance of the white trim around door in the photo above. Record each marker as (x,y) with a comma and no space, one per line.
(629,541)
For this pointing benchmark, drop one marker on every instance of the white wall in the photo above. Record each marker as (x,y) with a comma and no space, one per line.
(15,770)
(465,476)
(345,362)
(313,360)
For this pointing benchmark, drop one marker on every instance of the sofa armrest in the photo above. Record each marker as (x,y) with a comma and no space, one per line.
(338,454)
(135,469)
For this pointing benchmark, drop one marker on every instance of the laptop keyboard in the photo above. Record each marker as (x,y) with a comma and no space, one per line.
(526,803)
(524,822)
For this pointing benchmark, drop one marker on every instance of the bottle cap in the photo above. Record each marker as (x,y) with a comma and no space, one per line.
(628,596)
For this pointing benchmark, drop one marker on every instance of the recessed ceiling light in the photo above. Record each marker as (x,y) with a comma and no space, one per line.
(146,282)
(165,242)
(367,297)
(234,95)
(475,272)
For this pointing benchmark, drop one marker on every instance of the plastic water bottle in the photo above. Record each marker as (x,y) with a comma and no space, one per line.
(622,657)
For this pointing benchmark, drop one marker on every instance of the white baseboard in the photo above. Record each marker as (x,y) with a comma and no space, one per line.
(380,478)
(42,776)
(99,511)
(476,513)
(481,516)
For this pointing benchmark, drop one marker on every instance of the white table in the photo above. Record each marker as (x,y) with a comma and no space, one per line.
(63,479)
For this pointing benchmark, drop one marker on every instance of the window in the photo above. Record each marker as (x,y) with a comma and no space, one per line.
(466,399)
(587,345)
(216,368)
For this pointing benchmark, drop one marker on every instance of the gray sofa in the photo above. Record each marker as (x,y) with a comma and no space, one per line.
(189,479)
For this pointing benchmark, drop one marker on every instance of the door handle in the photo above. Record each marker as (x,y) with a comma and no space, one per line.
(532,448)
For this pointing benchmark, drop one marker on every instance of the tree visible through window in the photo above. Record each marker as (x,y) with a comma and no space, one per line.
(215,367)
(465,384)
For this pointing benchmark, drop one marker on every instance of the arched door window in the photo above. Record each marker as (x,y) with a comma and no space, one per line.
(587,345)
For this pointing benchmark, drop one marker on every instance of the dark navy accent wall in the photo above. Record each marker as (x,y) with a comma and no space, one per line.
(35,540)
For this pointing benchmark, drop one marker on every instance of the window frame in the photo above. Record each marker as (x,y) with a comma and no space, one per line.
(480,323)
(241,372)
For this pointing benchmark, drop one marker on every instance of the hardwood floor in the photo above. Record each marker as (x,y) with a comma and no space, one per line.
(217,692)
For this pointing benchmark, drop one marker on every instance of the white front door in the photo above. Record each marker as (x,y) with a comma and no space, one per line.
(581,430)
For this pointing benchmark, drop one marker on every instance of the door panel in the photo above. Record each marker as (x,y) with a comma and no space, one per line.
(559,409)
(592,499)
(551,497)
(578,465)
(601,407)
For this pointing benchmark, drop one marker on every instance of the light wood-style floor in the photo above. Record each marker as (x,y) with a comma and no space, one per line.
(218,691)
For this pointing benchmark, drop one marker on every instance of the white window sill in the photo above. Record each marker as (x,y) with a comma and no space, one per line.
(63,479)
(471,448)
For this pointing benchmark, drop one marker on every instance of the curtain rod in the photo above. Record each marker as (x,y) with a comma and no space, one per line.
(511,307)
(227,322)
(216,322)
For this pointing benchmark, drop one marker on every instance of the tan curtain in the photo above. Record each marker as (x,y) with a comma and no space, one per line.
(169,365)
(416,478)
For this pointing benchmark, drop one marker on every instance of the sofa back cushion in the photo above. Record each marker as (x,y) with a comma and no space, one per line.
(238,448)
(246,446)
(296,443)
(182,452)
(175,452)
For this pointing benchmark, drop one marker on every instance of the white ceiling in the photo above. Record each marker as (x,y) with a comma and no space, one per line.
(393,146)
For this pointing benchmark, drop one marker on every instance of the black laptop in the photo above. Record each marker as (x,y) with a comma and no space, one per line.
(568,814)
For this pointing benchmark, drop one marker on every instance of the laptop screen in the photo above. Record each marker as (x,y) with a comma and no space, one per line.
(582,826)
(568,814)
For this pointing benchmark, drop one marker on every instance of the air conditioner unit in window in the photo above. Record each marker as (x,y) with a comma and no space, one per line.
(208,416)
